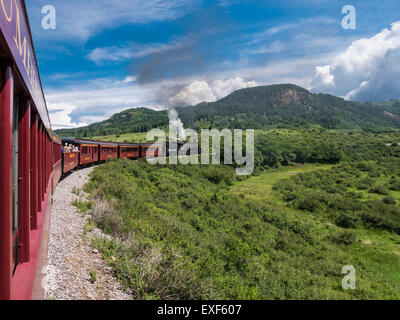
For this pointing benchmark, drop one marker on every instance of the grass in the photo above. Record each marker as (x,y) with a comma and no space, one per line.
(93,276)
(89,226)
(260,187)
(127,137)
(82,206)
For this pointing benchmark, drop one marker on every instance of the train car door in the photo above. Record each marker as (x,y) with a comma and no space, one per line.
(15,185)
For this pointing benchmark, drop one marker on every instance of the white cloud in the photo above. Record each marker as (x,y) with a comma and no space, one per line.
(324,75)
(60,115)
(92,101)
(367,70)
(274,47)
(193,94)
(129,79)
(203,91)
(117,54)
(79,20)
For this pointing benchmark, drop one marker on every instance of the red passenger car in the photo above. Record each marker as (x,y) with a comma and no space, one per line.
(70,161)
(57,160)
(108,150)
(128,150)
(145,149)
(88,149)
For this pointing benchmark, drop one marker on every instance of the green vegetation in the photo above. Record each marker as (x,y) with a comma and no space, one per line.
(195,232)
(128,121)
(125,137)
(349,195)
(93,277)
(284,147)
(82,206)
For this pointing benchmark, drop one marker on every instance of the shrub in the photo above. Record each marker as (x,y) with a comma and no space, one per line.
(389,200)
(379,190)
(395,186)
(345,237)
(309,204)
(347,221)
(105,216)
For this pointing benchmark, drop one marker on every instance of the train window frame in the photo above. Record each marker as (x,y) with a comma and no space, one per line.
(129,149)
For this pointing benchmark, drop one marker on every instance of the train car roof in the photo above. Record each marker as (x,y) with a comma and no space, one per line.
(128,144)
(149,144)
(105,143)
(14,19)
(78,141)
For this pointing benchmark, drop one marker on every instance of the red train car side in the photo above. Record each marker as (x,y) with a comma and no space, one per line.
(128,150)
(108,150)
(146,149)
(26,154)
(57,161)
(70,161)
(89,153)
(88,149)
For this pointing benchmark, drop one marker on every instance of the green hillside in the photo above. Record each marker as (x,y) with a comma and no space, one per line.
(128,121)
(265,107)
(284,106)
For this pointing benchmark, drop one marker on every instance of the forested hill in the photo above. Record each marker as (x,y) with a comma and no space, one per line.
(131,120)
(276,106)
(289,106)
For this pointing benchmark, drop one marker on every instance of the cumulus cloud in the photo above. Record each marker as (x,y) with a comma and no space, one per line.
(60,115)
(367,70)
(203,91)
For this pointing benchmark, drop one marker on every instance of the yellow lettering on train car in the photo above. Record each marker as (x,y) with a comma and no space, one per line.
(9,18)
(26,50)
(17,37)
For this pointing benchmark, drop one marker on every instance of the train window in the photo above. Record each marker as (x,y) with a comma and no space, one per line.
(129,149)
(85,150)
(109,149)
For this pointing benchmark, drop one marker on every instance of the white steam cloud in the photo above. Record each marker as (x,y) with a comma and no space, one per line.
(176,124)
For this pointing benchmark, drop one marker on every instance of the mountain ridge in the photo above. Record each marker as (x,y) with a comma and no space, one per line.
(273,106)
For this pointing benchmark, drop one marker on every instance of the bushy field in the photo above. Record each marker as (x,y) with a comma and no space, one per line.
(283,147)
(351,195)
(179,232)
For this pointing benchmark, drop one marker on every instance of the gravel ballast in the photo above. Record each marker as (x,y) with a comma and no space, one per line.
(74,270)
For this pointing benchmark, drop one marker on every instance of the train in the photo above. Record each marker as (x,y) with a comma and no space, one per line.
(89,152)
(32,159)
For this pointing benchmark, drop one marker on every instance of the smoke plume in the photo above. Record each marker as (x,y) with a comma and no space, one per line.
(176,124)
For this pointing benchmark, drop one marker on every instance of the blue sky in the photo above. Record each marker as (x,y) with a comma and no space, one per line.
(107,56)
